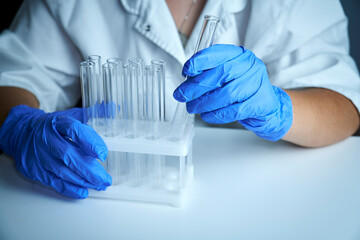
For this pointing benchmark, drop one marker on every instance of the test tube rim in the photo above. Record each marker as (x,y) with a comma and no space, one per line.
(136,60)
(108,65)
(94,57)
(88,62)
(158,62)
(117,60)
(212,18)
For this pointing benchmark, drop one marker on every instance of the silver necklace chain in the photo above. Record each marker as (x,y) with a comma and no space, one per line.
(187,16)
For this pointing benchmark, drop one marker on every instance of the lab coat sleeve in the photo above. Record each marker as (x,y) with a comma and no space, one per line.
(37,55)
(323,61)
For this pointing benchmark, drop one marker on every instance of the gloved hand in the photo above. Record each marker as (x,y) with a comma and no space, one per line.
(55,149)
(228,83)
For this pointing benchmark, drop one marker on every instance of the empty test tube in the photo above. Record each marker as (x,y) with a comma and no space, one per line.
(127,110)
(161,65)
(117,62)
(136,101)
(88,91)
(206,38)
(148,93)
(153,75)
(207,34)
(98,119)
(111,104)
(134,87)
(139,63)
(131,100)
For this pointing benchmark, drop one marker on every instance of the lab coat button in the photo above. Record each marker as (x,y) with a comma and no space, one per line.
(147,28)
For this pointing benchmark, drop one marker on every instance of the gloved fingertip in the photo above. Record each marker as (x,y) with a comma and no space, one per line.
(189,69)
(206,117)
(97,148)
(179,95)
(102,188)
(83,193)
(103,155)
(77,193)
(104,180)
(187,73)
(190,108)
(108,180)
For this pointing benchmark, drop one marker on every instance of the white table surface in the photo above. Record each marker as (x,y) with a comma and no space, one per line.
(244,188)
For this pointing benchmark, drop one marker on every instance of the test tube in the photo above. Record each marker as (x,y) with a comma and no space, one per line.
(148,94)
(111,108)
(127,110)
(161,64)
(206,38)
(98,88)
(153,76)
(131,100)
(88,91)
(137,103)
(117,62)
(138,67)
(207,34)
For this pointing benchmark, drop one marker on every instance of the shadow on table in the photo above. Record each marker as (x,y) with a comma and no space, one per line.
(202,123)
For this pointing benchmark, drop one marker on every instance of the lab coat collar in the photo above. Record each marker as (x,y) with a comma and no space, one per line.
(162,31)
(158,28)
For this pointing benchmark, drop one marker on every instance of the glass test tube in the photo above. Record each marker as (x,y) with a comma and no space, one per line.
(127,96)
(206,38)
(116,161)
(136,85)
(131,100)
(161,64)
(139,63)
(153,76)
(117,62)
(88,91)
(98,87)
(110,99)
(148,94)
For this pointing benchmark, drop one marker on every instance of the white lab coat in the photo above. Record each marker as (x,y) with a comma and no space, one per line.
(303,43)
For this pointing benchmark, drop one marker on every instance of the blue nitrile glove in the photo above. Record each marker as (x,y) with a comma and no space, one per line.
(228,83)
(55,149)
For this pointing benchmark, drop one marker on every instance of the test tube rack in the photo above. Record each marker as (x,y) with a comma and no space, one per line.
(150,157)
